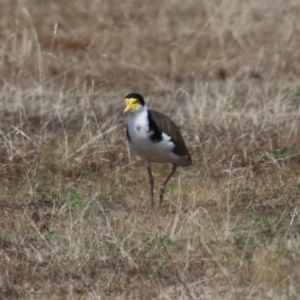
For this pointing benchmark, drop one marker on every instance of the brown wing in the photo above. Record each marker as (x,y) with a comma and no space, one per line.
(165,124)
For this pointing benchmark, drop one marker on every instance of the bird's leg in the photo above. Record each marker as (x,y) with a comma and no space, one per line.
(151,181)
(162,187)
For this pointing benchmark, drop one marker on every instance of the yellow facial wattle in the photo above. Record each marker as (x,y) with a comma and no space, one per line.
(130,104)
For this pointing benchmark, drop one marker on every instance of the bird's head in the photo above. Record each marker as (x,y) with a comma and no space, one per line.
(134,102)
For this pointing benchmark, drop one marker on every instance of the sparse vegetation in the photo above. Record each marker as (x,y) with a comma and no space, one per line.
(74,202)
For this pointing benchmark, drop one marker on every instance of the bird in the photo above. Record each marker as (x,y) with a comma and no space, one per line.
(155,138)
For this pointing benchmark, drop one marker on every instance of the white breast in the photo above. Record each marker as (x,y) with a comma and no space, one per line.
(142,145)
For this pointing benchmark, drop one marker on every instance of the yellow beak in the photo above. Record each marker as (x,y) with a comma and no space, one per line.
(131,104)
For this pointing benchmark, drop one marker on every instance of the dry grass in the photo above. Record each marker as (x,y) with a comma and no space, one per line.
(74,201)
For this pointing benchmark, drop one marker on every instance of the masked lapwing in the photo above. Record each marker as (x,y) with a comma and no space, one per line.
(154,137)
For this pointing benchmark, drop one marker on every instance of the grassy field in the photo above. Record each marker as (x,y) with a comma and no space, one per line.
(74,202)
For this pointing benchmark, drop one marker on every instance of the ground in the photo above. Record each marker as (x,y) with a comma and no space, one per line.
(75,211)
